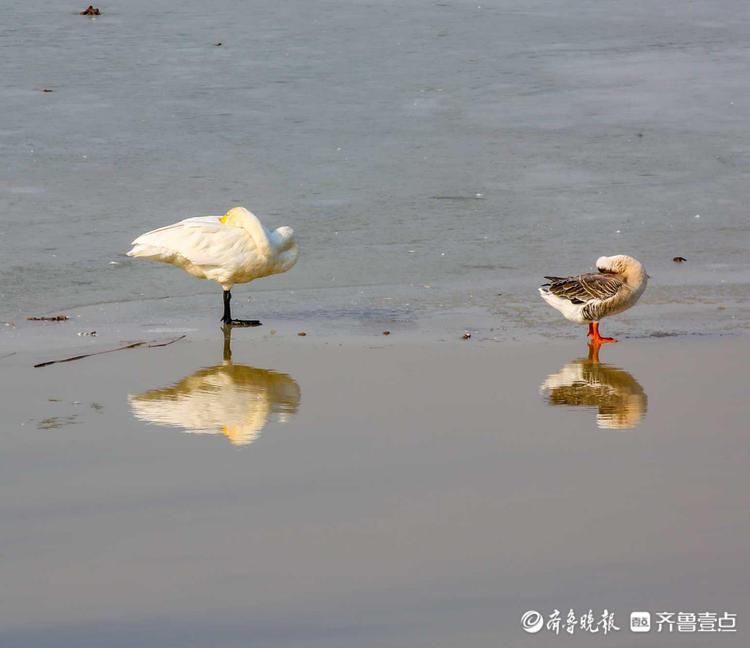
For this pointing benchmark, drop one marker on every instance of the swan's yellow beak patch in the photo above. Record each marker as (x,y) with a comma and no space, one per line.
(233,216)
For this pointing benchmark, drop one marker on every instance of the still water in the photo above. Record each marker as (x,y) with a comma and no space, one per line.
(369,495)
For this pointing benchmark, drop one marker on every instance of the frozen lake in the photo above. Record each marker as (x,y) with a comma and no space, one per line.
(430,155)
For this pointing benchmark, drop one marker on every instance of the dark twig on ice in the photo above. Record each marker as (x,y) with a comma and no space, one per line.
(132,345)
(48,318)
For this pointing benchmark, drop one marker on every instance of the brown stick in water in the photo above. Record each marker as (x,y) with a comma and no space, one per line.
(132,345)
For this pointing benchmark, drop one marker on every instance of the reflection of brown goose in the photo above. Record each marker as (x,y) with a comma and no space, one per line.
(585,382)
(232,399)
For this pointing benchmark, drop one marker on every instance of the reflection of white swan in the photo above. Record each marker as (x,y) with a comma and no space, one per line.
(586,298)
(231,249)
(585,382)
(231,399)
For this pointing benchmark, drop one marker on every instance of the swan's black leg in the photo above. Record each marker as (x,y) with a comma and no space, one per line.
(227,318)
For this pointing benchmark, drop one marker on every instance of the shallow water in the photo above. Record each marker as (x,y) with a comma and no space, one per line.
(390,495)
(430,155)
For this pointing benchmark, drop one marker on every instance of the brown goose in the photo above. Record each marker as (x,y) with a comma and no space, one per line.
(586,298)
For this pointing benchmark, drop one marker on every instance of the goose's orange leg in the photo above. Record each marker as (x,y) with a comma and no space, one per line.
(595,337)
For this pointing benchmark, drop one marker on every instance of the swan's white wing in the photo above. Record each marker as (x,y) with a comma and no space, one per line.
(202,241)
(200,221)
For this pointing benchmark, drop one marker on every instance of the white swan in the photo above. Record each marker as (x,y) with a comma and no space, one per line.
(231,249)
(588,297)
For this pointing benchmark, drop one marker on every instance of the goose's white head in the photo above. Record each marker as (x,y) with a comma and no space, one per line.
(629,269)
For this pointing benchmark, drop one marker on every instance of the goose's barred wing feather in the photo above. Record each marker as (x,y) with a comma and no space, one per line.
(584,288)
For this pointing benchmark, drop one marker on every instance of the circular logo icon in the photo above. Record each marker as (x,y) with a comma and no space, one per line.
(532,621)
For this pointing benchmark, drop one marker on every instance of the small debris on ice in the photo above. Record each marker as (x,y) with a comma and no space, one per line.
(48,318)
